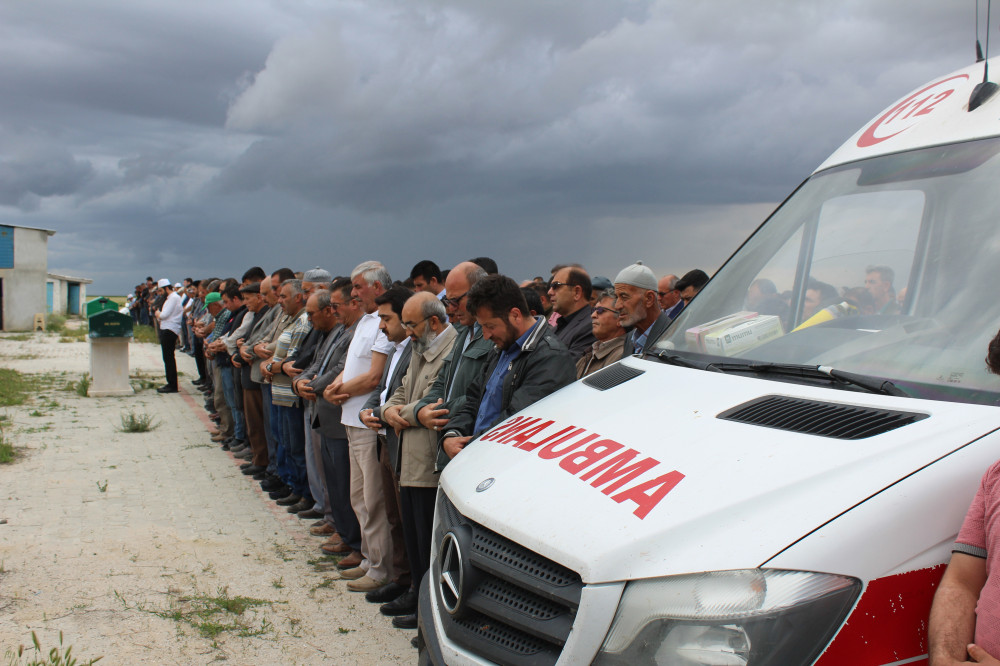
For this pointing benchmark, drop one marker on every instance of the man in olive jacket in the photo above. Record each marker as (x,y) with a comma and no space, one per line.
(528,363)
(431,340)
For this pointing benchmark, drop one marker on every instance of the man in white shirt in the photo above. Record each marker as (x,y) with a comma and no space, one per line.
(362,372)
(169,316)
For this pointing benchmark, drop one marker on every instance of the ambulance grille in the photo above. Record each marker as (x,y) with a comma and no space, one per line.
(823,419)
(611,376)
(520,606)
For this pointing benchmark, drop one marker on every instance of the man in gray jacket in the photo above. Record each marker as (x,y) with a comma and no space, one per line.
(340,525)
(468,356)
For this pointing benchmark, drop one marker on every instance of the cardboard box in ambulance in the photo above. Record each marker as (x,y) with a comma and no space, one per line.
(781,491)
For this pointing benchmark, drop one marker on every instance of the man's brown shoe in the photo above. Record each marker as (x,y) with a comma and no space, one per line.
(336,548)
(324,530)
(351,561)
(219,437)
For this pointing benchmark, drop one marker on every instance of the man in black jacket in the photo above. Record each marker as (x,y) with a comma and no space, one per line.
(527,363)
(569,292)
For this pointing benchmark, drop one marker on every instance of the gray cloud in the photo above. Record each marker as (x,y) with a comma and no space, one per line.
(36,172)
(206,137)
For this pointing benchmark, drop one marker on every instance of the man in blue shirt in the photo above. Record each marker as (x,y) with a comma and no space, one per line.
(527,363)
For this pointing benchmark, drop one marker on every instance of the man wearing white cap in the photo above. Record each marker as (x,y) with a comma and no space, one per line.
(169,316)
(639,304)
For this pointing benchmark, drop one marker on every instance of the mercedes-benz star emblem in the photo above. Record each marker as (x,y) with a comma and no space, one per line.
(485,484)
(452,573)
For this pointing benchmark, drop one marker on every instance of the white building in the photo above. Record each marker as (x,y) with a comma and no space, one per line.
(23,275)
(65,294)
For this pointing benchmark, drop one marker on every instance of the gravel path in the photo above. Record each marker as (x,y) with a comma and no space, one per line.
(144,548)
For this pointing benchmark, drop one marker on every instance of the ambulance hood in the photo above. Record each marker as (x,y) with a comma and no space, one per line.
(703,493)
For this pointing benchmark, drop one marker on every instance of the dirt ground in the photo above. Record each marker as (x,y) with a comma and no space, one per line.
(153,548)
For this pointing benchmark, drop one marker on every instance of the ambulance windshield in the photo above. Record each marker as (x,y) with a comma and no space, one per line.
(883,267)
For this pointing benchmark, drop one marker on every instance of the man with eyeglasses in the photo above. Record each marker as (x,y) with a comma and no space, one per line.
(466,360)
(609,344)
(569,292)
(431,340)
(670,295)
(339,524)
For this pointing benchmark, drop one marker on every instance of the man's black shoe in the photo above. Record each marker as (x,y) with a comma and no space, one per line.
(198,382)
(167,389)
(290,500)
(260,477)
(404,604)
(388,592)
(405,621)
(253,469)
(245,465)
(280,493)
(271,483)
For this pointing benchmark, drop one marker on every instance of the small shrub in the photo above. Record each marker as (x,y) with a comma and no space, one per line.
(103,487)
(55,323)
(83,386)
(7,454)
(132,422)
(14,387)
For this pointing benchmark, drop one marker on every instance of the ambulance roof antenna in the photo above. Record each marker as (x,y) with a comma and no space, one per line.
(983,91)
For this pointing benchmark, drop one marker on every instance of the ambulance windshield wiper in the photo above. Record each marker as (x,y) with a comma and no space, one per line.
(673,358)
(866,382)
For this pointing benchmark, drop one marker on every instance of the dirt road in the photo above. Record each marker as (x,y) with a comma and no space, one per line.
(153,548)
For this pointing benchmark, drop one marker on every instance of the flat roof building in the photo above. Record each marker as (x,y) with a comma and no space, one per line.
(23,275)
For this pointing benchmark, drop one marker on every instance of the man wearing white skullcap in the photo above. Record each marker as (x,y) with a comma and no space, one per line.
(639,304)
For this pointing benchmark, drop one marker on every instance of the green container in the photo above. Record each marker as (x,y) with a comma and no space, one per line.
(100,305)
(107,322)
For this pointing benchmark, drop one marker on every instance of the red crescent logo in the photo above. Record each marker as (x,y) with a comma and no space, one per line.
(907,113)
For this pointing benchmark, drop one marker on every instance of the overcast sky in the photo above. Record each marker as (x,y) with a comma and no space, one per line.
(175,138)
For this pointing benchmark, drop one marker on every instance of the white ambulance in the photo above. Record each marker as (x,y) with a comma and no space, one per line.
(780,478)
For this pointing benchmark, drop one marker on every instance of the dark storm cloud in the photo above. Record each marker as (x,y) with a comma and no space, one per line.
(180,61)
(37,172)
(598,131)
(664,103)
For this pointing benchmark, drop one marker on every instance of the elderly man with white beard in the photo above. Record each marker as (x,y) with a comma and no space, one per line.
(432,339)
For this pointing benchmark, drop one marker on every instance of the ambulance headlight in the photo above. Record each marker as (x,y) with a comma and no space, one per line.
(752,617)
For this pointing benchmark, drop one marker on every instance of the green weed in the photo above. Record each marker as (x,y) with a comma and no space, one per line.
(55,323)
(54,657)
(211,615)
(14,387)
(133,422)
(83,386)
(103,487)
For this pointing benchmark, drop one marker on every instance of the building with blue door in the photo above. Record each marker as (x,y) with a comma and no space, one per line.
(65,294)
(23,275)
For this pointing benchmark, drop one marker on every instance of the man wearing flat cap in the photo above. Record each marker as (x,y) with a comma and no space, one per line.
(639,304)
